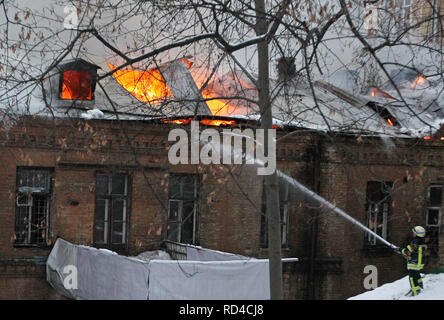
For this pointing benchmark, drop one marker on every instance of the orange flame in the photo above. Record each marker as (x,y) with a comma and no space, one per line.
(418,80)
(208,122)
(218,107)
(147,86)
(218,123)
(178,121)
(76,85)
(376,92)
(390,122)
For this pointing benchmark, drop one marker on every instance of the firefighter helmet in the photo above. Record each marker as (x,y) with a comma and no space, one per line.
(419,231)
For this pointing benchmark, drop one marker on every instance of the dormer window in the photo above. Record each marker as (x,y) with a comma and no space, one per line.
(77,80)
(77,85)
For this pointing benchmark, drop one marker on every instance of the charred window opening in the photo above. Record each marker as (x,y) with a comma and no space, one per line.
(378,209)
(32,206)
(384,113)
(182,209)
(433,217)
(111,211)
(284,201)
(77,80)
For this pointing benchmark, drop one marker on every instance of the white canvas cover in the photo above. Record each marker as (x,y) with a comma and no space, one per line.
(214,280)
(62,254)
(105,275)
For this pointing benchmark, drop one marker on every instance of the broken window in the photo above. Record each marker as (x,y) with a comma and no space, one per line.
(182,207)
(378,209)
(283,206)
(32,206)
(433,217)
(111,211)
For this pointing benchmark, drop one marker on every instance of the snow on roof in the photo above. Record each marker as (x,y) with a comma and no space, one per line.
(433,290)
(320,107)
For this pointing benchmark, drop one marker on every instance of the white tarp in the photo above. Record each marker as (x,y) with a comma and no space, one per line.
(216,280)
(63,254)
(104,275)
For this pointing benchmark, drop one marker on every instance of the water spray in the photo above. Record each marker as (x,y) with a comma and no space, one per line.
(296,184)
(332,207)
(313,195)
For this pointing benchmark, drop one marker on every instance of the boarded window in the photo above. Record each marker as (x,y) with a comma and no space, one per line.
(378,209)
(32,206)
(182,207)
(111,211)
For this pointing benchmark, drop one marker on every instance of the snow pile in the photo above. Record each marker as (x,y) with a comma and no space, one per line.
(92,114)
(153,255)
(433,290)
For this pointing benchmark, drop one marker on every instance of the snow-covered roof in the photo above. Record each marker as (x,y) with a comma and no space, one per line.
(321,106)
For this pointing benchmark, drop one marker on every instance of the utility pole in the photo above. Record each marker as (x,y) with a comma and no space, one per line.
(271,181)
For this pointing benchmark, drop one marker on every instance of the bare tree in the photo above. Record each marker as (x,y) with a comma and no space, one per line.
(305,39)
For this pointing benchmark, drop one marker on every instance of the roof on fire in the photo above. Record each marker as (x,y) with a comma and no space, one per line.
(295,103)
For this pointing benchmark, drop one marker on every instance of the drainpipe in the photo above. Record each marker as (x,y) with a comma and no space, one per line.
(311,290)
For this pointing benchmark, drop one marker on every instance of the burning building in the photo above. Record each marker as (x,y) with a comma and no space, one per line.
(94,170)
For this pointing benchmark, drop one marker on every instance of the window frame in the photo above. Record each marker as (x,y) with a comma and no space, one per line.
(433,230)
(32,193)
(179,222)
(62,82)
(284,207)
(109,221)
(431,207)
(384,207)
(79,65)
(404,7)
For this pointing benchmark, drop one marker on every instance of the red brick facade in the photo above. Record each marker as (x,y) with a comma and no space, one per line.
(331,250)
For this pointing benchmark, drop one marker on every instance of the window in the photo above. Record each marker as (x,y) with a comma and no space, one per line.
(378,209)
(371,17)
(283,206)
(32,206)
(111,211)
(406,12)
(433,217)
(182,205)
(77,85)
(77,80)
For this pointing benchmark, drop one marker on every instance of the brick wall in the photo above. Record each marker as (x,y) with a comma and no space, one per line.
(229,198)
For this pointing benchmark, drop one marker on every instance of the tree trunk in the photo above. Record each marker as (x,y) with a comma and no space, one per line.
(271,181)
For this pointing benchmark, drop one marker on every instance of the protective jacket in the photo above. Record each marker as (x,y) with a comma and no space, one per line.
(414,253)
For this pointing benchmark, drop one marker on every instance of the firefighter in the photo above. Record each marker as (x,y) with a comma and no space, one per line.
(414,253)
